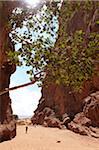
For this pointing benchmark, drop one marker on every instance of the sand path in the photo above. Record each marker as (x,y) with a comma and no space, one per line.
(40,138)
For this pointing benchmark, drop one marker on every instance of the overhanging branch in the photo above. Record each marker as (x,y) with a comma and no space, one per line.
(6,90)
(17,87)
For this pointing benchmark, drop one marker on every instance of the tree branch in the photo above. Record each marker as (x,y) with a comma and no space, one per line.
(6,90)
(17,87)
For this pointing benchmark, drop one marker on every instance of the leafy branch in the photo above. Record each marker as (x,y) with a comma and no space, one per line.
(71,60)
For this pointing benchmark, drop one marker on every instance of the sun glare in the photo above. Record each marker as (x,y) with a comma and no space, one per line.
(33,3)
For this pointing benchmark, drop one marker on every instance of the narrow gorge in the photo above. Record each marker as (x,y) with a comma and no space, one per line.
(60,105)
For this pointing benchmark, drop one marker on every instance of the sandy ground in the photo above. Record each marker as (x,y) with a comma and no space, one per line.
(40,138)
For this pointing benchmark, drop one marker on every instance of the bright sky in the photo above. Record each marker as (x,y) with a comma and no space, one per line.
(33,3)
(24,100)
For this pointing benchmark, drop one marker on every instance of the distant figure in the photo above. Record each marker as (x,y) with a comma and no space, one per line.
(26,129)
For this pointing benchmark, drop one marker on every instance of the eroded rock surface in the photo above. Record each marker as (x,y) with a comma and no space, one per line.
(87,122)
(7,131)
(91,108)
(46,118)
(7,124)
(79,112)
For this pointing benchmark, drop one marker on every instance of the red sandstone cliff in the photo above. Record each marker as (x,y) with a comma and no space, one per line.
(7,124)
(59,103)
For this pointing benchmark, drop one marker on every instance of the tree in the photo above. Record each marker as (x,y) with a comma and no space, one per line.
(17,19)
(6,67)
(72,60)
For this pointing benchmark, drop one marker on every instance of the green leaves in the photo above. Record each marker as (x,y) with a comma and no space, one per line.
(73,62)
(37,34)
(70,62)
(97,22)
(14,57)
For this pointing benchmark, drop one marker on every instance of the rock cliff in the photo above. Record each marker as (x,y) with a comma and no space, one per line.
(7,124)
(60,105)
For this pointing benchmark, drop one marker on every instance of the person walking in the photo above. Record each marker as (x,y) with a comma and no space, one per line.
(26,129)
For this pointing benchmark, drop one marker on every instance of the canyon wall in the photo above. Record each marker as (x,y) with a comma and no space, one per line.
(60,105)
(7,124)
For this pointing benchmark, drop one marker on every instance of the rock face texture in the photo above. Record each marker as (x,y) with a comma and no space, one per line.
(91,108)
(87,121)
(79,112)
(7,124)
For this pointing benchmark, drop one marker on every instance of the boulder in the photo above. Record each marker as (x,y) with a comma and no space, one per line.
(77,128)
(91,108)
(66,119)
(87,122)
(46,118)
(81,119)
(39,117)
(7,131)
(52,122)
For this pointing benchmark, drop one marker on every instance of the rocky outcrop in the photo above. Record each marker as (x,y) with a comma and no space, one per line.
(77,111)
(7,131)
(87,122)
(91,108)
(7,124)
(46,118)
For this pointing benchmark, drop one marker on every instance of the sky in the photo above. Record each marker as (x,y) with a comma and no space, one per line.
(24,100)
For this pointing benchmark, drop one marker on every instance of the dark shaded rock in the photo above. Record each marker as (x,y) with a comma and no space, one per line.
(6,118)
(81,119)
(85,122)
(7,125)
(46,118)
(80,124)
(91,109)
(48,112)
(7,131)
(53,122)
(94,132)
(66,119)
(39,117)
(77,128)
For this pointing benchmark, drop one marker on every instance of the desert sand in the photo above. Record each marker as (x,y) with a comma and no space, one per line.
(40,138)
